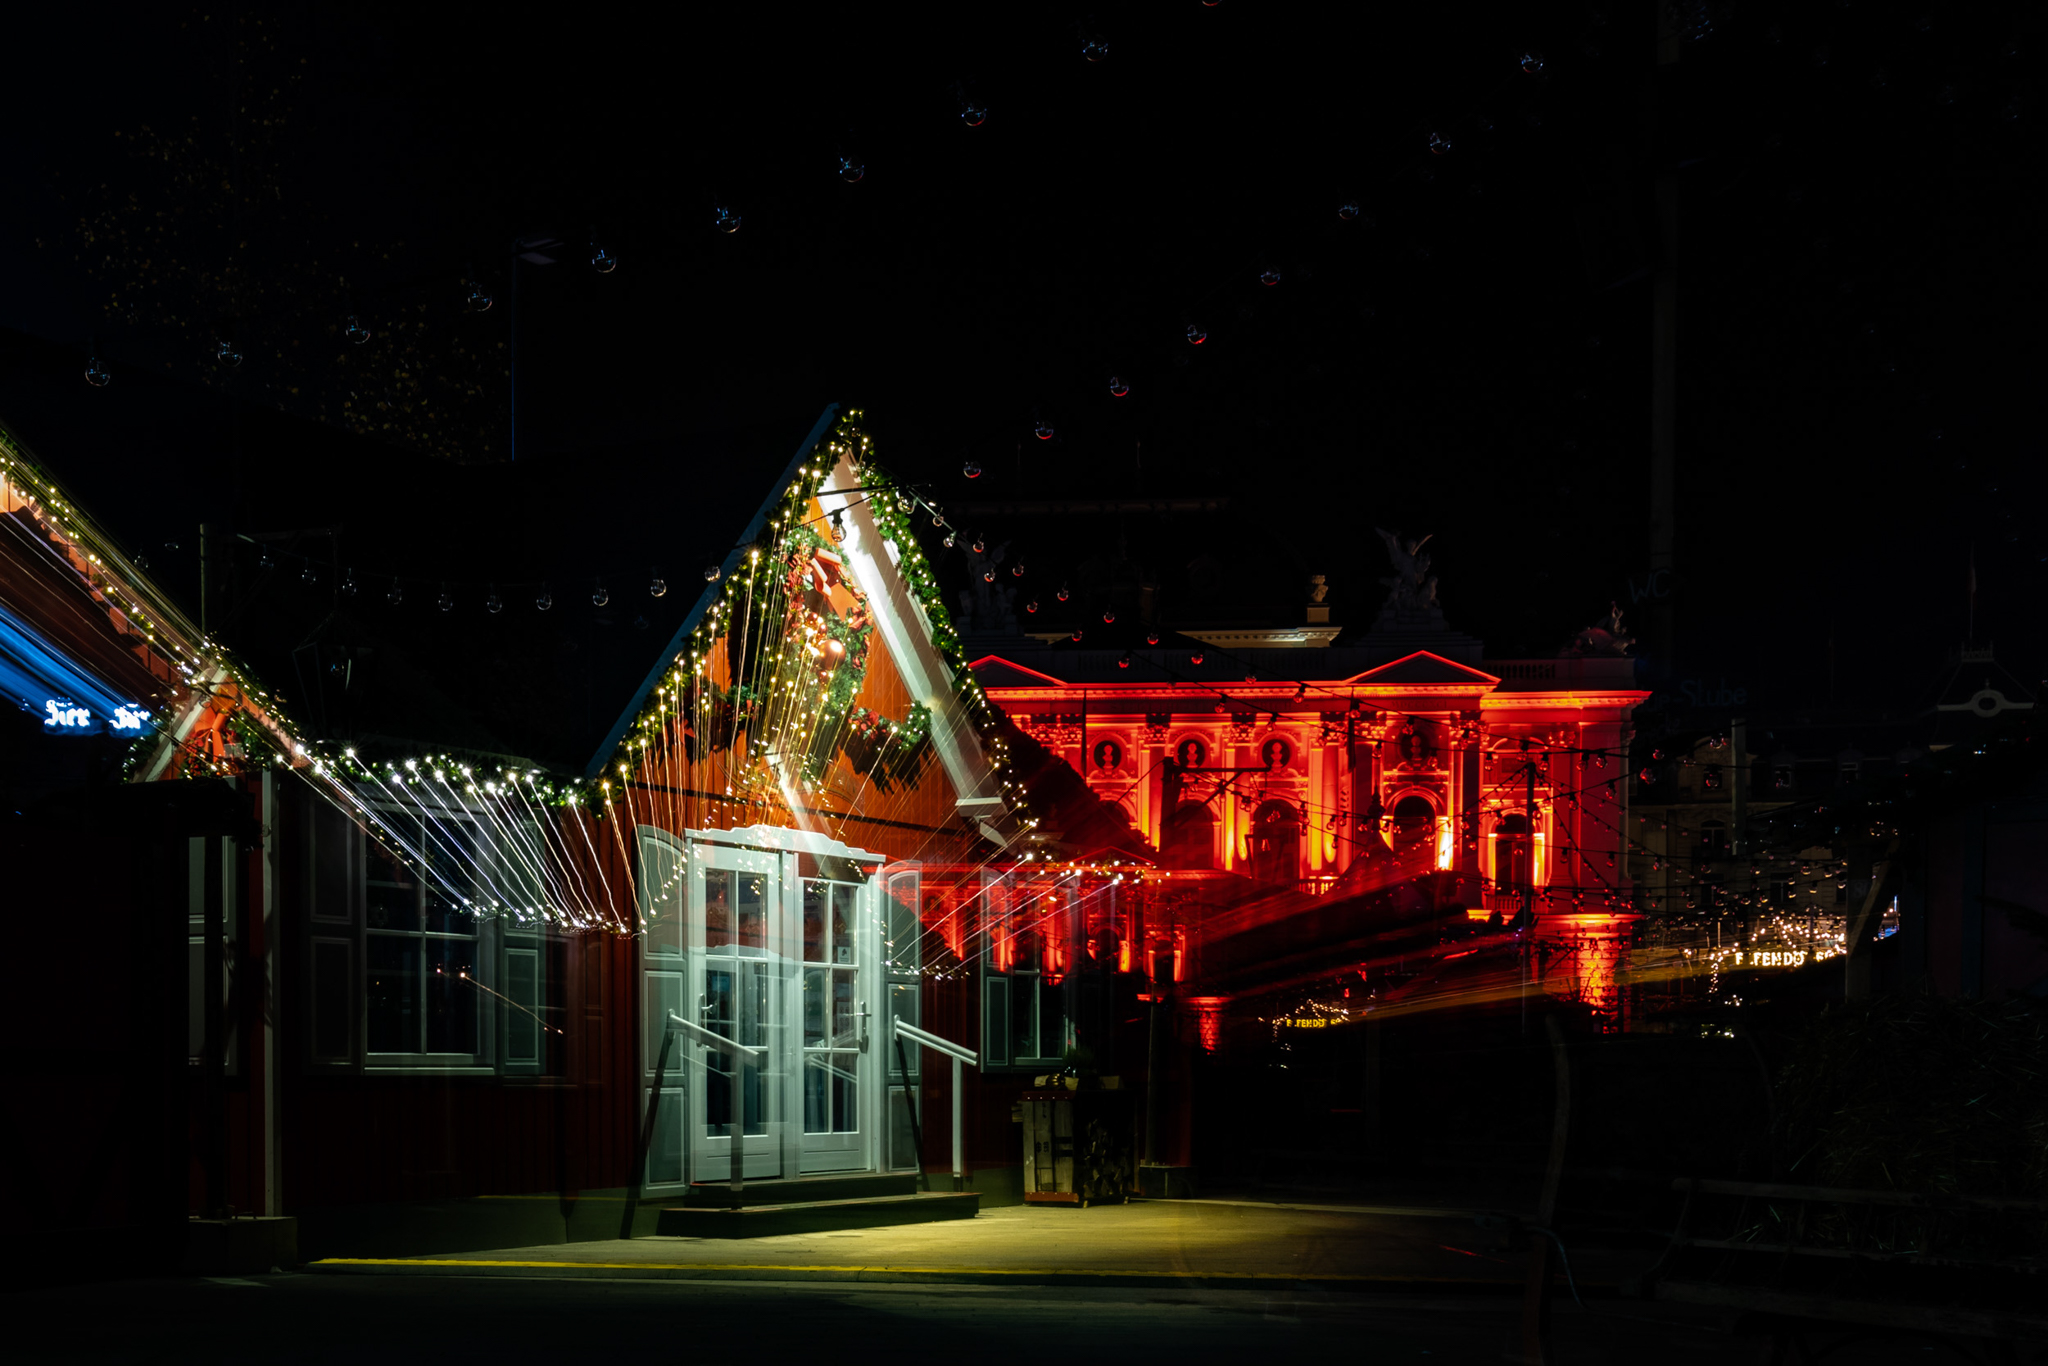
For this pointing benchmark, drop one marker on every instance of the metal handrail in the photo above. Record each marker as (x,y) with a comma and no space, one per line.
(959,1055)
(933,1041)
(710,1039)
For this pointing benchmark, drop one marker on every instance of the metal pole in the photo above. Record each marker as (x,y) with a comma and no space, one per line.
(512,432)
(1528,884)
(958,1146)
(213,1124)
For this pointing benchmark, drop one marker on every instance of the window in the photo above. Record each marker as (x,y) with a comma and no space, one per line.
(1025,1020)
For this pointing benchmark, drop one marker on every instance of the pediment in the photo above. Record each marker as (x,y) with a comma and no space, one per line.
(994,671)
(1423,670)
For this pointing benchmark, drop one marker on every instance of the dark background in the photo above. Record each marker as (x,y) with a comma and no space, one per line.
(1859,293)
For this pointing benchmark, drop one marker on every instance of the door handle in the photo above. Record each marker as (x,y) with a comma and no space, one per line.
(862,1015)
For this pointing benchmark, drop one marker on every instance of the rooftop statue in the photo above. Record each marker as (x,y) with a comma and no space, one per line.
(1607,637)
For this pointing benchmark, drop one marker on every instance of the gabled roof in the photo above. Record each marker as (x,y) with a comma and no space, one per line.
(1423,669)
(680,641)
(996,672)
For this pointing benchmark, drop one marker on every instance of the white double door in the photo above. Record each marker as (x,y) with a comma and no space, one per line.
(782,948)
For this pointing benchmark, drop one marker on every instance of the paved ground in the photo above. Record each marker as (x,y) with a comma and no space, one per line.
(1148,1243)
(391,1320)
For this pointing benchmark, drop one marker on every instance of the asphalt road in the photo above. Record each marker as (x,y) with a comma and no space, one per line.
(391,1319)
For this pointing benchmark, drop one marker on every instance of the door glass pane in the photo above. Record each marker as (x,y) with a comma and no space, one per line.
(845,1024)
(816,894)
(843,921)
(391,905)
(904,1006)
(394,994)
(817,1097)
(718,902)
(522,991)
(815,987)
(902,1151)
(845,1092)
(752,910)
(1052,1021)
(451,995)
(900,905)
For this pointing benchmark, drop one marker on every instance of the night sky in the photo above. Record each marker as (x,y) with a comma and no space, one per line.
(1860,284)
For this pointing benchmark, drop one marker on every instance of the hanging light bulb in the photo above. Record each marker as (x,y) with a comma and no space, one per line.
(657,586)
(1077,633)
(1117,388)
(1195,658)
(1043,431)
(973,115)
(1062,595)
(397,593)
(308,576)
(712,573)
(971,470)
(492,602)
(851,171)
(1532,64)
(1439,144)
(904,502)
(599,596)
(1269,276)
(1109,618)
(1348,210)
(1017,570)
(446,602)
(1094,49)
(266,560)
(949,540)
(937,520)
(226,354)
(980,546)
(1031,606)
(838,525)
(727,220)
(1151,637)
(348,583)
(96,374)
(544,601)
(602,261)
(988,575)
(1125,662)
(1196,336)
(355,331)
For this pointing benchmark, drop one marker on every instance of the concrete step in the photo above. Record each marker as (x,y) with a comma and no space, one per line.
(819,1216)
(801,1190)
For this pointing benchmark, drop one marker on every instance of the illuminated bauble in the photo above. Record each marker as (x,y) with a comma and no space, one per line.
(1095,49)
(1195,658)
(712,573)
(1109,618)
(851,171)
(479,302)
(493,603)
(355,331)
(1043,431)
(1348,210)
(973,115)
(1196,336)
(1269,277)
(1439,144)
(397,593)
(96,374)
(1062,595)
(971,470)
(657,587)
(1117,388)
(226,354)
(446,602)
(727,220)
(1532,63)
(1031,606)
(544,600)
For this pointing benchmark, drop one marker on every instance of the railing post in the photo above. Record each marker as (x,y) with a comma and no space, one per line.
(958,1146)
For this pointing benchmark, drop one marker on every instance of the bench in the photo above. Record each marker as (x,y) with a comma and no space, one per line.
(1795,1261)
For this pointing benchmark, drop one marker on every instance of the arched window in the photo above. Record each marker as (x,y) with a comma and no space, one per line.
(1511,852)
